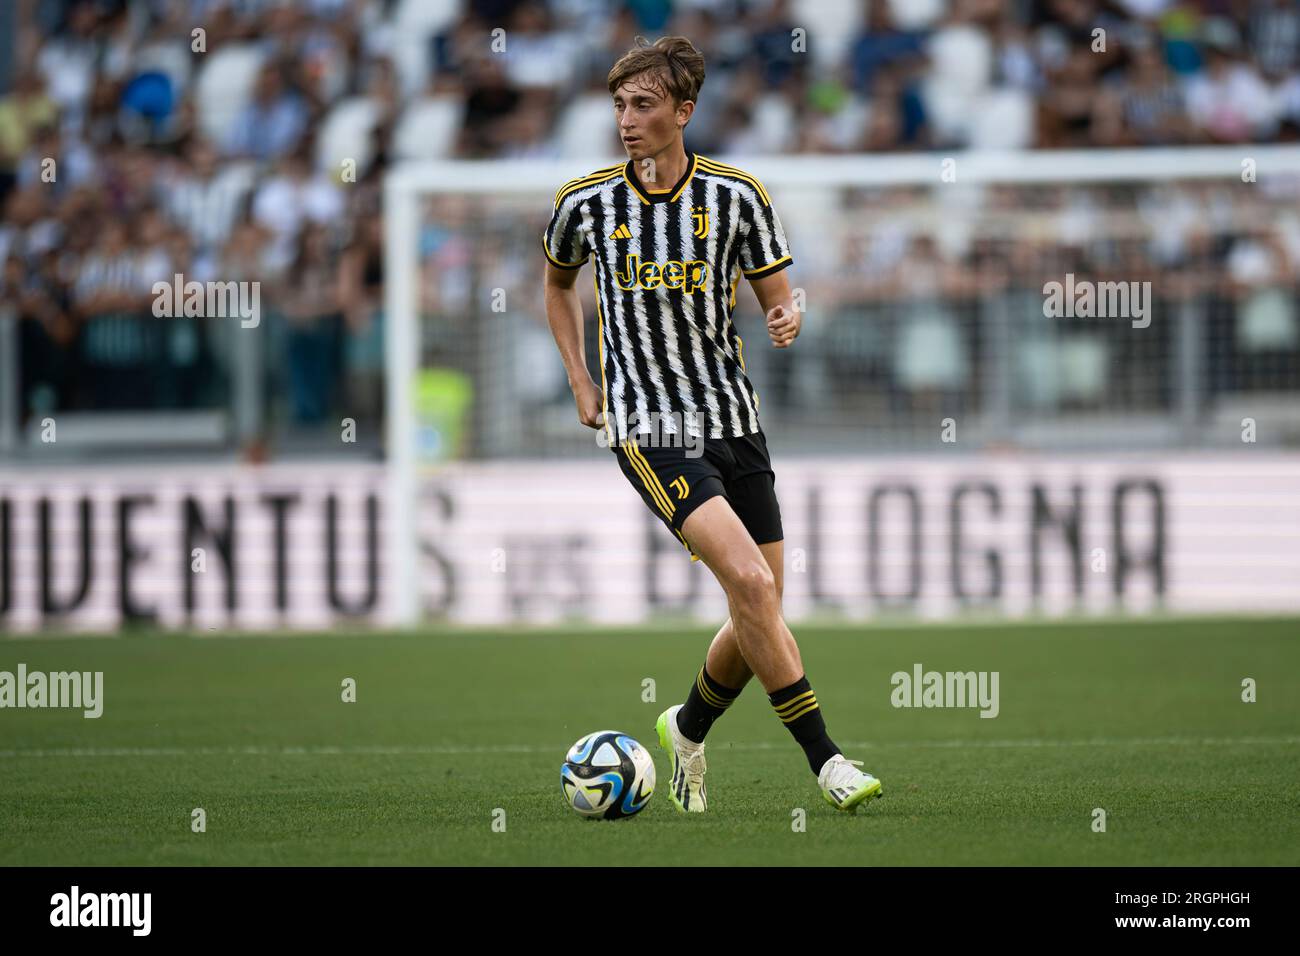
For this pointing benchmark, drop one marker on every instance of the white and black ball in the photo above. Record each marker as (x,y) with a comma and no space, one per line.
(607,775)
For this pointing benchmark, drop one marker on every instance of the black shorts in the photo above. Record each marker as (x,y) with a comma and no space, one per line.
(673,484)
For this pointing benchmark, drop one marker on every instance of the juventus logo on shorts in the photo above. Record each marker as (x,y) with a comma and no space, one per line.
(700,214)
(680,486)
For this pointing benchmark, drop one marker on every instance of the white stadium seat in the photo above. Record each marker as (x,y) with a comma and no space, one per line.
(961,56)
(345,133)
(1002,119)
(415,23)
(428,128)
(224,85)
(832,26)
(587,127)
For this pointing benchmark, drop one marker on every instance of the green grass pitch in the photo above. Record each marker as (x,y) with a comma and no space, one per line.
(1143,719)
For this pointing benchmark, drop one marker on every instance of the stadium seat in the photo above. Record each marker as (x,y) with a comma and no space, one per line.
(415,22)
(428,128)
(345,133)
(832,27)
(929,352)
(947,110)
(962,64)
(585,127)
(1266,321)
(1083,361)
(961,56)
(1034,356)
(223,87)
(916,14)
(775,124)
(1002,119)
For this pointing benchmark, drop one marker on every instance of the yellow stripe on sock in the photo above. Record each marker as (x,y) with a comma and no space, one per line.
(799,713)
(794,702)
(709,696)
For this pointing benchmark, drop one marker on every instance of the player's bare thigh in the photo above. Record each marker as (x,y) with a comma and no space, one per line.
(716,533)
(774,555)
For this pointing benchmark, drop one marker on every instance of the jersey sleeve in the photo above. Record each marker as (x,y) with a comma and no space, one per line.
(763,248)
(565,241)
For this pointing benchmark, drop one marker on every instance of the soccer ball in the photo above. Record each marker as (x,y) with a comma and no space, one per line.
(607,775)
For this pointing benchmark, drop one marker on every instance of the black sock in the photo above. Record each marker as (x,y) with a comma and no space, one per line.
(707,701)
(797,707)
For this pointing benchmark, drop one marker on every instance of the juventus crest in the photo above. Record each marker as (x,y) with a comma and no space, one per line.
(700,215)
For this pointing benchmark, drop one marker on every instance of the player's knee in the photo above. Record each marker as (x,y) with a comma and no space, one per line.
(754,588)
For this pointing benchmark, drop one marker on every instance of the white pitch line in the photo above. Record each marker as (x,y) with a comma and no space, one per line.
(552,749)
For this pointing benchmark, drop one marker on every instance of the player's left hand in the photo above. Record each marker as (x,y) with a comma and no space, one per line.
(783,325)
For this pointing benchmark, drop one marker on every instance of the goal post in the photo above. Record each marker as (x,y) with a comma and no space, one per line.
(969,357)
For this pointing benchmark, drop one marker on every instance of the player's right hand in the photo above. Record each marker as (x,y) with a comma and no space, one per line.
(588,398)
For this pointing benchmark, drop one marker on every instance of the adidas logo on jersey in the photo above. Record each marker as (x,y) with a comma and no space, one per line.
(689,275)
(622,232)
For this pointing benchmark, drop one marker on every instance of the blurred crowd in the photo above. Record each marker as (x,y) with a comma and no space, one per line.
(247,139)
(939,305)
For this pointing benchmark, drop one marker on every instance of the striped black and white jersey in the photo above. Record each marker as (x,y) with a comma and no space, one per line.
(667,264)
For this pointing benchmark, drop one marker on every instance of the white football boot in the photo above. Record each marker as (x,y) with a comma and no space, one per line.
(845,786)
(687,761)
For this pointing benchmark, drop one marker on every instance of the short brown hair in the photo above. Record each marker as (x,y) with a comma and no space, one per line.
(674,65)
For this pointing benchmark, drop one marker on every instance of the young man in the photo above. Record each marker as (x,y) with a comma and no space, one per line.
(671,233)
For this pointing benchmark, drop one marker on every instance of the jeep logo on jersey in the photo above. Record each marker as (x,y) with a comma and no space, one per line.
(689,275)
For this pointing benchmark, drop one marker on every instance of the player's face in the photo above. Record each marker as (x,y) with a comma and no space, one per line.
(647,121)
